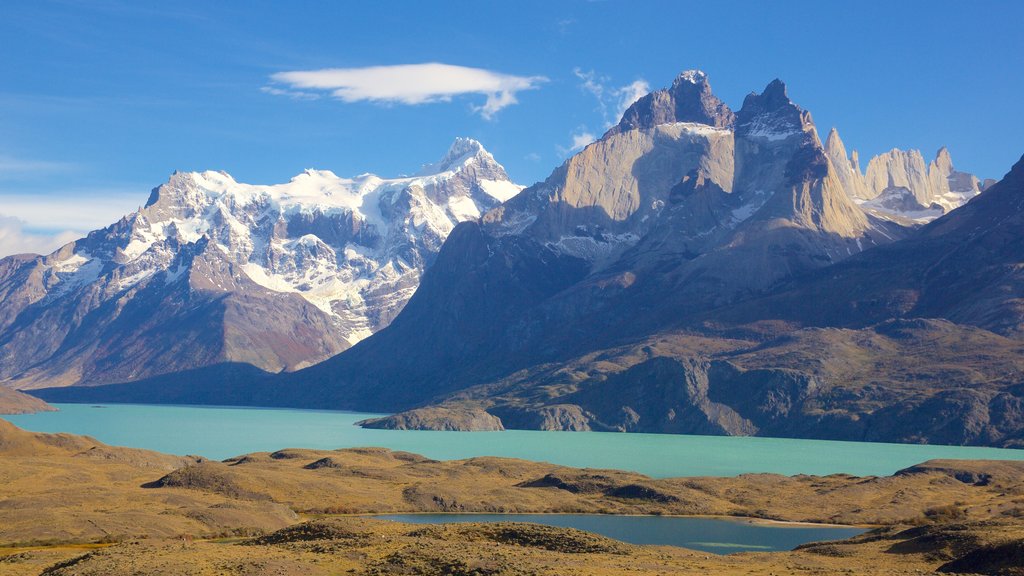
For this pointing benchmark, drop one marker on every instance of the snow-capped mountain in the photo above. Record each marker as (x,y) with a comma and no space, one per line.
(281,276)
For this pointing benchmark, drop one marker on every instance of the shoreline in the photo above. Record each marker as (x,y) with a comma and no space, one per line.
(725,518)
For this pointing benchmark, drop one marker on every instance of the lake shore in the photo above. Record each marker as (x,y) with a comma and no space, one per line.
(225,432)
(169,505)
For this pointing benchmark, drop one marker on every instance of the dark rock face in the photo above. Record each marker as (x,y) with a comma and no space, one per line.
(689,99)
(660,395)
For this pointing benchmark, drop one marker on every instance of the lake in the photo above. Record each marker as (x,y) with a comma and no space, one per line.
(222,432)
(706,534)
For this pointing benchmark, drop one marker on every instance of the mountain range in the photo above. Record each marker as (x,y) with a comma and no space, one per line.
(695,270)
(211,270)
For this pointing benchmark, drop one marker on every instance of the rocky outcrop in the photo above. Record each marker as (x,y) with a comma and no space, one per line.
(689,99)
(437,418)
(847,167)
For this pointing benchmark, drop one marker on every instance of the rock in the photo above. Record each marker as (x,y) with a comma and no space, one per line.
(689,99)
(437,418)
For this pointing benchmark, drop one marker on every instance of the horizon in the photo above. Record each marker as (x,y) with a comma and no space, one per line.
(105,101)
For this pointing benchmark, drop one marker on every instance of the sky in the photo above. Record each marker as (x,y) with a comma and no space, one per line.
(101,101)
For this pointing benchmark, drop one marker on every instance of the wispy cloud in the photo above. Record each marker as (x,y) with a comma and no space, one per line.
(14,239)
(409,84)
(70,210)
(580,138)
(13,166)
(294,94)
(629,94)
(612,101)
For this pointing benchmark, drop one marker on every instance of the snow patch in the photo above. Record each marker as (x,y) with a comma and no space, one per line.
(501,190)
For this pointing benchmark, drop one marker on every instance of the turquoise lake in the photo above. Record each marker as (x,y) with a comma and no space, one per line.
(222,432)
(705,534)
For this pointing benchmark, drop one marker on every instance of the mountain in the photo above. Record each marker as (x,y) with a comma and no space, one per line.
(914,341)
(212,270)
(963,267)
(696,270)
(900,185)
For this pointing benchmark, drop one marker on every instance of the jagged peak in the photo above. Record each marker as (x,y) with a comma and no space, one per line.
(773,97)
(692,77)
(833,143)
(689,99)
(776,89)
(461,150)
(180,181)
(772,115)
(943,158)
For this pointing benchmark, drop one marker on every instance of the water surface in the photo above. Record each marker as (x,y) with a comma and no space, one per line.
(706,534)
(219,432)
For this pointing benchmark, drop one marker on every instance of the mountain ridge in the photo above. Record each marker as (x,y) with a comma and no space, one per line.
(279,276)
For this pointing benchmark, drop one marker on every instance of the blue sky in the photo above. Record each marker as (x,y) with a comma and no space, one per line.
(101,101)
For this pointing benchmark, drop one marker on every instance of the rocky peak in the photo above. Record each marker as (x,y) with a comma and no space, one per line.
(771,115)
(935,186)
(462,152)
(185,194)
(847,169)
(692,76)
(834,145)
(689,99)
(778,152)
(943,161)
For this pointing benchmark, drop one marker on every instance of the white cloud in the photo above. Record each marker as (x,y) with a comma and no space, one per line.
(580,138)
(630,93)
(410,84)
(620,98)
(594,84)
(14,239)
(579,141)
